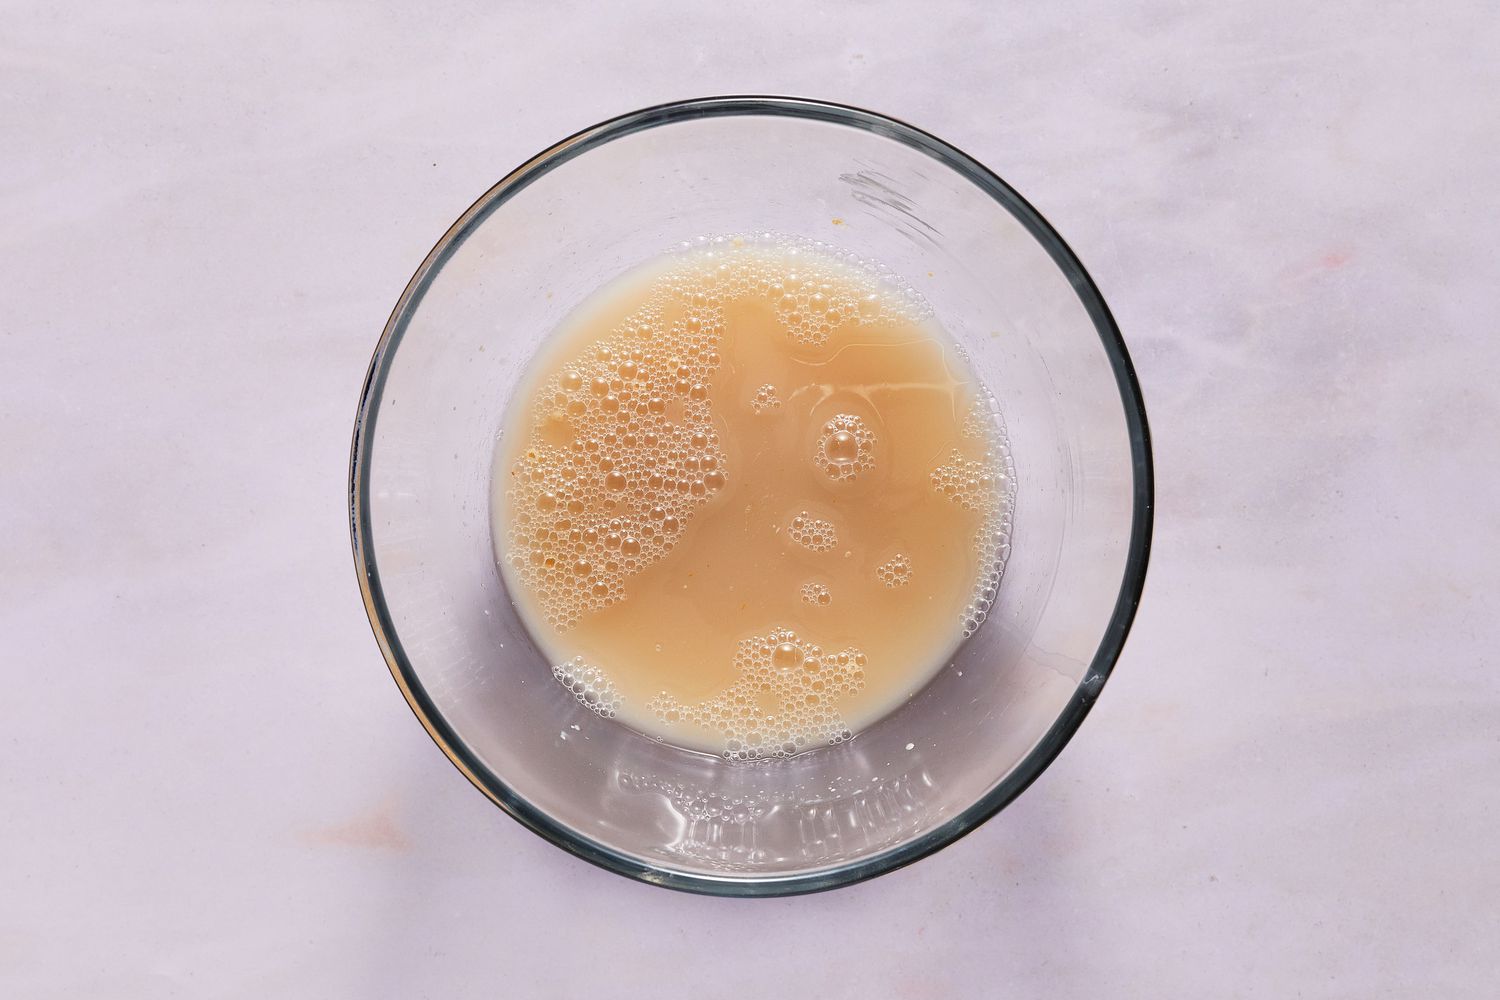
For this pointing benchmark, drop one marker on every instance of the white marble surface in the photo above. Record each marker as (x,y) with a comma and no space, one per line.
(211,787)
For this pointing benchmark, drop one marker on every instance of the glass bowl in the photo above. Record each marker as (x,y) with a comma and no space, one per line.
(619,194)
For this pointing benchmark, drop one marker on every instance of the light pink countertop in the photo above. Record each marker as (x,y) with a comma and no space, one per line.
(212,788)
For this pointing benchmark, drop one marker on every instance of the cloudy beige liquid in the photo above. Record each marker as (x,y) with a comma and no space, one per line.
(751,499)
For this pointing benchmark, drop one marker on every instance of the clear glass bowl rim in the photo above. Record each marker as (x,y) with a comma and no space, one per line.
(1082,699)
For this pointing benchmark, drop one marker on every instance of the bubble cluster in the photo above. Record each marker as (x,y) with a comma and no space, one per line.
(621,453)
(590,686)
(816,594)
(845,447)
(895,571)
(765,399)
(986,485)
(813,533)
(980,420)
(816,289)
(967,482)
(783,700)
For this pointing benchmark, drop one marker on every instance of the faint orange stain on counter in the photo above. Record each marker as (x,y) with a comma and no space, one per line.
(375,830)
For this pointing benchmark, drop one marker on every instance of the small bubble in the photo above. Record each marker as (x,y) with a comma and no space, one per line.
(841,447)
(786,656)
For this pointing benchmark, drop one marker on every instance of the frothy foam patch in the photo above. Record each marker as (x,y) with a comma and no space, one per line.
(987,485)
(816,288)
(783,700)
(765,399)
(622,452)
(813,533)
(589,685)
(895,571)
(816,594)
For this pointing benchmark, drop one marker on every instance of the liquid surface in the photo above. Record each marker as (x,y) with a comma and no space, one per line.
(751,499)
